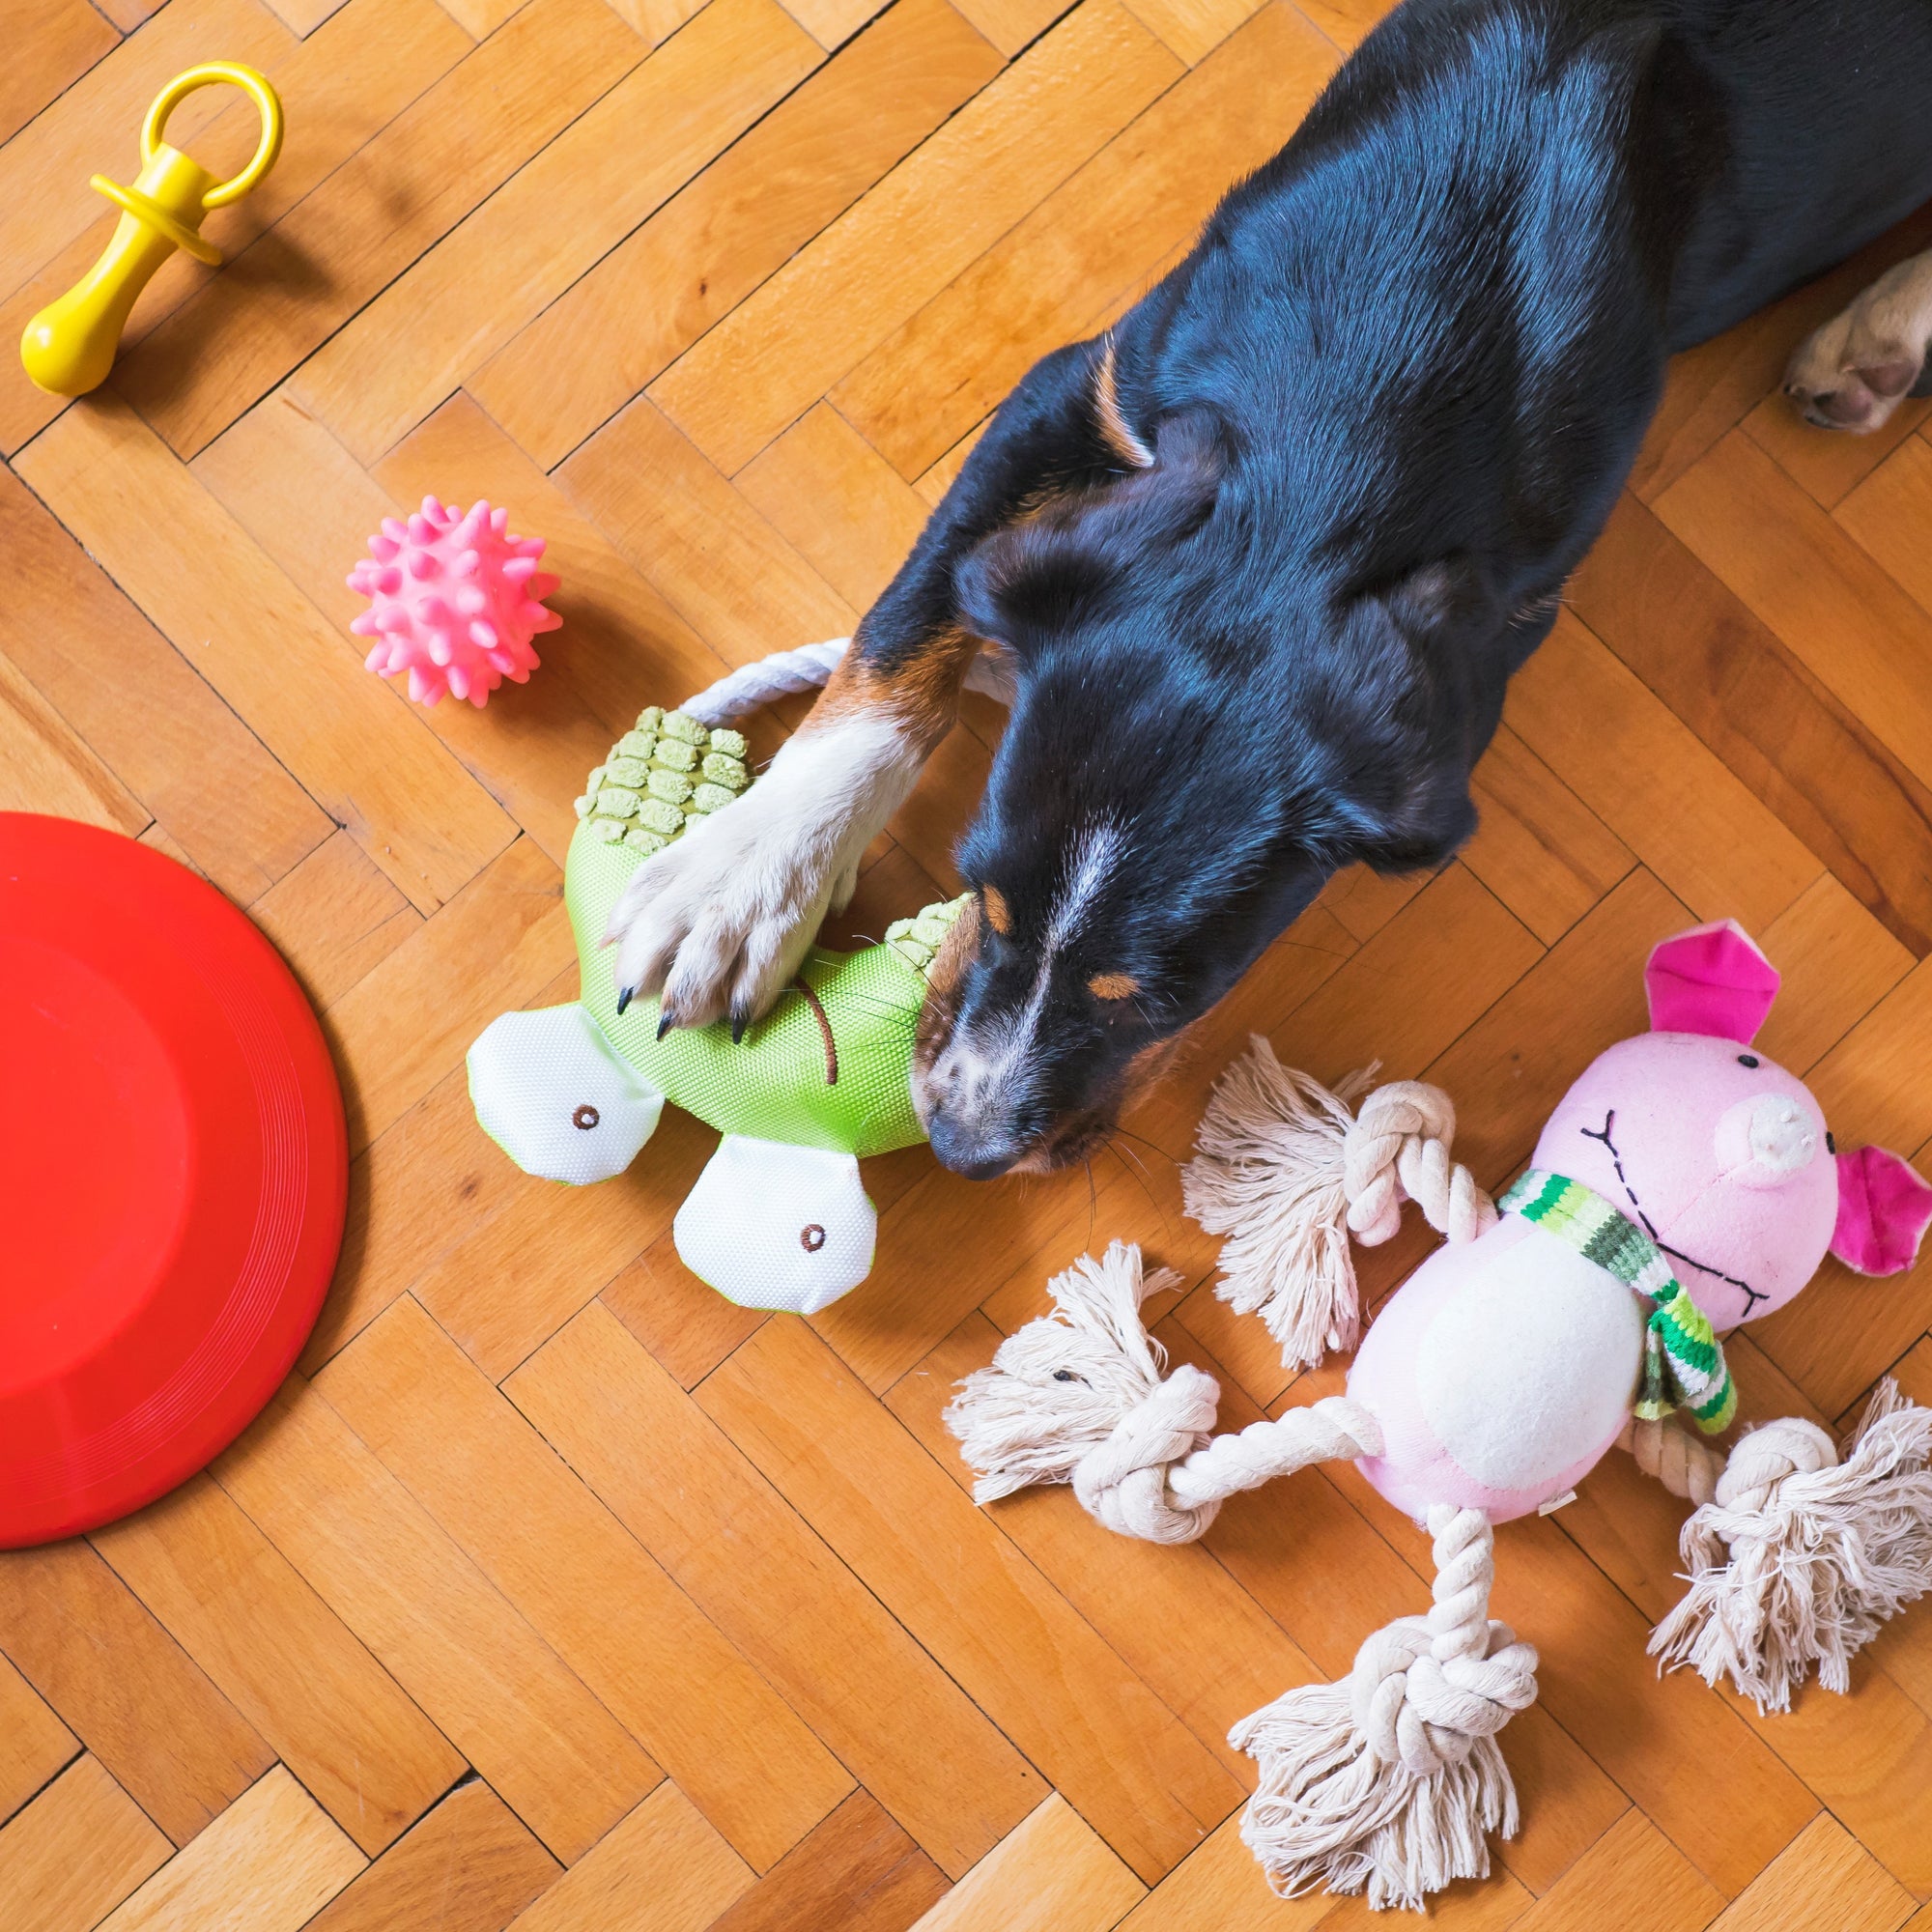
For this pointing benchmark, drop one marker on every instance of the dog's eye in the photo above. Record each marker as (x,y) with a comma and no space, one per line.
(1067,1375)
(1112,986)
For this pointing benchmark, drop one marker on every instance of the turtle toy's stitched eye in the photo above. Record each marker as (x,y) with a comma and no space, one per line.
(812,1237)
(1749,1060)
(585,1118)
(1067,1375)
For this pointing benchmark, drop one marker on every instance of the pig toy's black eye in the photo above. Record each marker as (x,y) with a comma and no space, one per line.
(1830,1146)
(1747,1060)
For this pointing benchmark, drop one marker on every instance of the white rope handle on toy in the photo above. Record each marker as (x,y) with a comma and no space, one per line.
(1800,1556)
(1079,1396)
(1398,1146)
(1286,1170)
(1425,1688)
(1393,1778)
(807,669)
(1152,1476)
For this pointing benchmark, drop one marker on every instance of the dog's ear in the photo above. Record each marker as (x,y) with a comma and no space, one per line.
(1398,797)
(1067,558)
(1414,827)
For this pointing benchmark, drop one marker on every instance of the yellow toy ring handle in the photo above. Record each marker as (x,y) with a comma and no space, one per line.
(214,74)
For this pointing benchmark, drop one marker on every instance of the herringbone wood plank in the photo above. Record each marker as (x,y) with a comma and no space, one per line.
(562,1592)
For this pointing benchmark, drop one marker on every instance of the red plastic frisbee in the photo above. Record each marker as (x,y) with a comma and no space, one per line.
(172,1171)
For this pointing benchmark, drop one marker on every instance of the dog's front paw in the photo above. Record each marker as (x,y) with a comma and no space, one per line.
(720,922)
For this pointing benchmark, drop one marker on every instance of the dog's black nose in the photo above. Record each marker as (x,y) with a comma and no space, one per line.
(979,1156)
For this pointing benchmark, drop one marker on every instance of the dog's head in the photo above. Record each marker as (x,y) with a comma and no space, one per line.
(1198,741)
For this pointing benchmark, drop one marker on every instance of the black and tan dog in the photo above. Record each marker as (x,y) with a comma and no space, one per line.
(1265,555)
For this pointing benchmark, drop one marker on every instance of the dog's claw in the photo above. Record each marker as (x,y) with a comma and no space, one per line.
(625,995)
(663,1024)
(740,1020)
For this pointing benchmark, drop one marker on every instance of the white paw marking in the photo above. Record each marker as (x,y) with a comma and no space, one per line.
(720,922)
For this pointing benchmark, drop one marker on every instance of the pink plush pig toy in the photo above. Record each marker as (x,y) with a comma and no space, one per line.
(1684,1184)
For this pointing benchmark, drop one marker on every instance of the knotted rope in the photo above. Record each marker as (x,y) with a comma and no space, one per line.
(1079,1396)
(1397,1148)
(1799,1556)
(1148,1479)
(1286,1170)
(807,669)
(1392,1777)
(1763,1458)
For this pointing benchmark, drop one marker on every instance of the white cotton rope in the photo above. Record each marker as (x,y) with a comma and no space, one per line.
(1147,1480)
(1393,1777)
(1286,1170)
(807,669)
(1799,1556)
(1756,1468)
(1079,1396)
(1397,1148)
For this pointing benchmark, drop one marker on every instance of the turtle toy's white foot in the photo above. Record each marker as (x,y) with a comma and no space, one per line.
(550,1090)
(770,1225)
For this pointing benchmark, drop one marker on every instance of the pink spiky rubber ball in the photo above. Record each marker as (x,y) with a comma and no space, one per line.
(454,600)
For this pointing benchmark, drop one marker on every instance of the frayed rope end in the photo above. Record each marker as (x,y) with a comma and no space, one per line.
(1288,1172)
(1800,1557)
(1393,1779)
(1330,1814)
(1267,1172)
(1061,1383)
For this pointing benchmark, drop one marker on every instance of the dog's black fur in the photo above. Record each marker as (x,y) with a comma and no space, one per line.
(1392,394)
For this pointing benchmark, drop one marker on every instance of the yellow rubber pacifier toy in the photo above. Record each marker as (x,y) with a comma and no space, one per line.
(70,346)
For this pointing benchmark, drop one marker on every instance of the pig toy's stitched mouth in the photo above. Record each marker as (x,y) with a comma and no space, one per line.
(1753,1296)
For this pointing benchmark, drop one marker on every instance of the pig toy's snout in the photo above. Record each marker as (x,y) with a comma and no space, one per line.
(1765,1140)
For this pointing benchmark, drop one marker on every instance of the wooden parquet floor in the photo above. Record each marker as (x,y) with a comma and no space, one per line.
(554,1590)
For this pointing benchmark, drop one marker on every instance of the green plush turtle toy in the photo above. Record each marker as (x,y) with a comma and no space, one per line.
(779,1217)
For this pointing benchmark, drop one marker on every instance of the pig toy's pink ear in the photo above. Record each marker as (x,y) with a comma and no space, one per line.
(1884,1207)
(1710,980)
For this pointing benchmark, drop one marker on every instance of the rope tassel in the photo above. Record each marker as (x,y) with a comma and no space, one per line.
(1800,1557)
(1287,1173)
(1393,1778)
(1081,1396)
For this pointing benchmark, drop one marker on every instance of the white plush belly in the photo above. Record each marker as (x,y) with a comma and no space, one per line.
(1530,1367)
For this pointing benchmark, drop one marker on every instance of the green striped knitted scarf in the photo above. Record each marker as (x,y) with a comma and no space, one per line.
(1683,1360)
